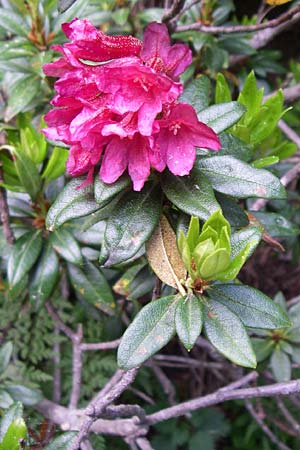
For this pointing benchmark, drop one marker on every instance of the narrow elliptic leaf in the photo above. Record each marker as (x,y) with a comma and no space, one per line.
(238,179)
(262,348)
(66,245)
(27,173)
(63,5)
(131,224)
(72,202)
(197,93)
(44,277)
(222,116)
(13,22)
(14,412)
(151,329)
(92,286)
(5,355)
(228,335)
(188,320)
(277,225)
(235,215)
(250,234)
(192,194)
(214,263)
(62,442)
(104,192)
(23,256)
(56,165)
(222,93)
(16,432)
(27,396)
(24,91)
(163,254)
(281,365)
(253,308)
(5,399)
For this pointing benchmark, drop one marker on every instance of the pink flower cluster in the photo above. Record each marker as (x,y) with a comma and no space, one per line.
(117,104)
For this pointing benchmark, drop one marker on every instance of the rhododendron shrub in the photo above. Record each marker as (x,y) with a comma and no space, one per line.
(117,105)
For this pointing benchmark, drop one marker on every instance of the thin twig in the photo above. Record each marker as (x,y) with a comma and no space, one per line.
(4,213)
(100,345)
(57,371)
(144,444)
(241,382)
(240,28)
(264,427)
(59,323)
(76,368)
(166,384)
(175,9)
(289,132)
(288,416)
(186,8)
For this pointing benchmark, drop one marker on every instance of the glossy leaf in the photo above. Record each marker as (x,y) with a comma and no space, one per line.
(24,91)
(222,116)
(163,255)
(236,178)
(253,308)
(44,277)
(151,329)
(192,194)
(92,286)
(72,202)
(131,224)
(232,211)
(222,93)
(23,256)
(104,192)
(62,442)
(197,93)
(65,245)
(188,320)
(15,434)
(262,348)
(14,412)
(5,355)
(228,335)
(27,173)
(277,225)
(27,396)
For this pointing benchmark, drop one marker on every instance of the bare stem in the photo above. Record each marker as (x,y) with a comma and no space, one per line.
(100,345)
(4,213)
(76,368)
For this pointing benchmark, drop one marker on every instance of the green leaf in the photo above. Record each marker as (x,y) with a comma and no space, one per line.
(92,286)
(197,93)
(264,162)
(63,5)
(251,97)
(56,165)
(188,320)
(13,23)
(262,348)
(24,91)
(222,94)
(62,442)
(27,396)
(14,412)
(238,179)
(27,173)
(64,243)
(151,329)
(5,399)
(222,116)
(228,335)
(232,211)
(216,262)
(281,365)
(233,146)
(16,432)
(44,278)
(192,194)
(104,192)
(5,355)
(277,225)
(23,256)
(131,224)
(72,202)
(251,234)
(253,308)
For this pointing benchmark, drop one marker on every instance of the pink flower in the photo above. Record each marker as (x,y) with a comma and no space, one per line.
(122,112)
(180,132)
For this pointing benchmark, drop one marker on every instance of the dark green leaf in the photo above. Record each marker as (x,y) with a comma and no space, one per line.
(151,329)
(281,365)
(192,194)
(27,173)
(72,202)
(131,224)
(14,412)
(13,22)
(64,243)
(235,215)
(222,116)
(233,146)
(62,442)
(277,225)
(197,93)
(24,91)
(188,320)
(104,192)
(227,333)
(92,285)
(236,178)
(44,277)
(24,394)
(5,355)
(23,256)
(254,308)
(262,348)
